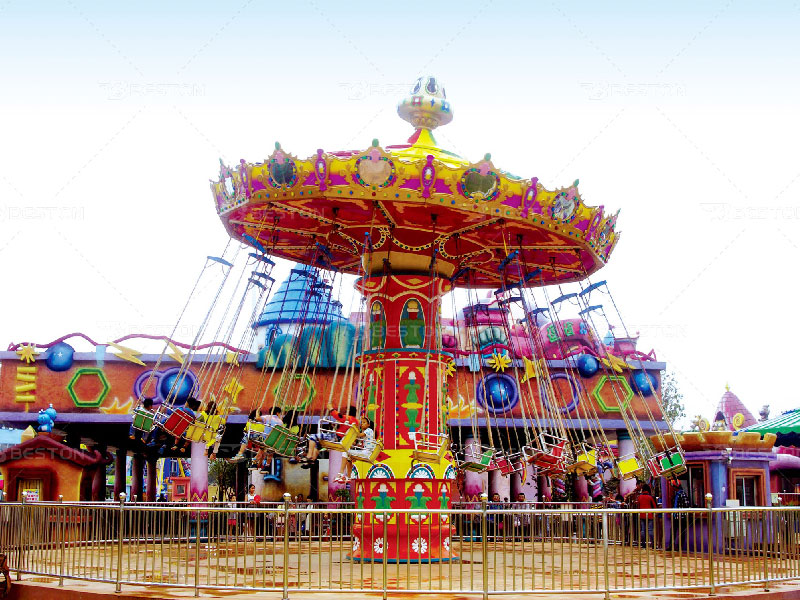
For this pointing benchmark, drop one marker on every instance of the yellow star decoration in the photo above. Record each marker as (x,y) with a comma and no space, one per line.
(27,353)
(499,362)
(115,408)
(533,368)
(232,358)
(233,388)
(450,369)
(614,362)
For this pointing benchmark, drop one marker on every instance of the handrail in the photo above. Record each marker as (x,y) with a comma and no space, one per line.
(287,547)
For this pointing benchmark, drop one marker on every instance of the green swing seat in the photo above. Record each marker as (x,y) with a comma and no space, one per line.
(143,420)
(282,441)
(476,459)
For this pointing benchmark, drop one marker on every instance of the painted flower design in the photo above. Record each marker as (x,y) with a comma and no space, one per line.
(378,546)
(419,545)
(499,362)
(356,544)
(446,543)
(450,368)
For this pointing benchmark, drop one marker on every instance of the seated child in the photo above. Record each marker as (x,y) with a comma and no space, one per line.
(367,433)
(206,411)
(273,417)
(159,437)
(346,422)
(137,434)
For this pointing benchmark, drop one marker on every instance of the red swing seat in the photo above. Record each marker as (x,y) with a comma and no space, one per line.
(508,464)
(177,423)
(551,457)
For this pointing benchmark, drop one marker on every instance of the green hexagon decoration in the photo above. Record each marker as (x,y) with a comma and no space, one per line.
(299,404)
(88,371)
(609,379)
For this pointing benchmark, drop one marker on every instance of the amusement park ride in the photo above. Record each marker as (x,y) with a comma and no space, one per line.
(412,222)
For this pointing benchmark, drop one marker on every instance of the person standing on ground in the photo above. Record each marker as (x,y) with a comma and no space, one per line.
(645,500)
(249,518)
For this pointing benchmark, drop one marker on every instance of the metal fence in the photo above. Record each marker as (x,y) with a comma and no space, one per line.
(307,547)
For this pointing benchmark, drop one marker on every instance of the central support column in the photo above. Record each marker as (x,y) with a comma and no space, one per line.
(198,484)
(403,379)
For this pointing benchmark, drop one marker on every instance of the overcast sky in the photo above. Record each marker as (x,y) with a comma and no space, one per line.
(682,114)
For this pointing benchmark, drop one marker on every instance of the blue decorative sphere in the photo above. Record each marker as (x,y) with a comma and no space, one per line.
(587,365)
(182,381)
(644,382)
(498,393)
(59,357)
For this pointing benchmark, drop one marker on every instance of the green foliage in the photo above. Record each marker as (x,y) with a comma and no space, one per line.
(671,398)
(342,495)
(223,474)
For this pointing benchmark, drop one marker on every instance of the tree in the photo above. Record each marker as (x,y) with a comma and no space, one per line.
(671,398)
(223,474)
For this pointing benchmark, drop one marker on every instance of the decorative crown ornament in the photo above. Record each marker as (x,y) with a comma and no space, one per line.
(426,106)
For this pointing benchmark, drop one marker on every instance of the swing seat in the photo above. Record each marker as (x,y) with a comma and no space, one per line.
(256,437)
(670,462)
(551,457)
(430,447)
(555,469)
(476,459)
(531,454)
(143,420)
(365,450)
(629,467)
(585,460)
(204,431)
(282,441)
(343,441)
(509,464)
(654,466)
(176,423)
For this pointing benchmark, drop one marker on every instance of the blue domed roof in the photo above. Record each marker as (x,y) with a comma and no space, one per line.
(302,298)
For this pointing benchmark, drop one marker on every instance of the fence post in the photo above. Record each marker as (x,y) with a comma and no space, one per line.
(711,535)
(385,552)
(484,546)
(62,527)
(605,555)
(768,531)
(120,534)
(22,537)
(287,497)
(197,516)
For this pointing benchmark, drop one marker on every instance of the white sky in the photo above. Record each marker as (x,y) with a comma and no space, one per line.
(683,116)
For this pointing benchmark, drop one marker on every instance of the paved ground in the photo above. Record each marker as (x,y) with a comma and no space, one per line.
(563,567)
(41,588)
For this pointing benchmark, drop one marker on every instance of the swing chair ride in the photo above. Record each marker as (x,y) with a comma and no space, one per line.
(413,222)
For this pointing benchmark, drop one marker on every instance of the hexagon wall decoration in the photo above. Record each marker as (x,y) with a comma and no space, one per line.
(87,372)
(626,388)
